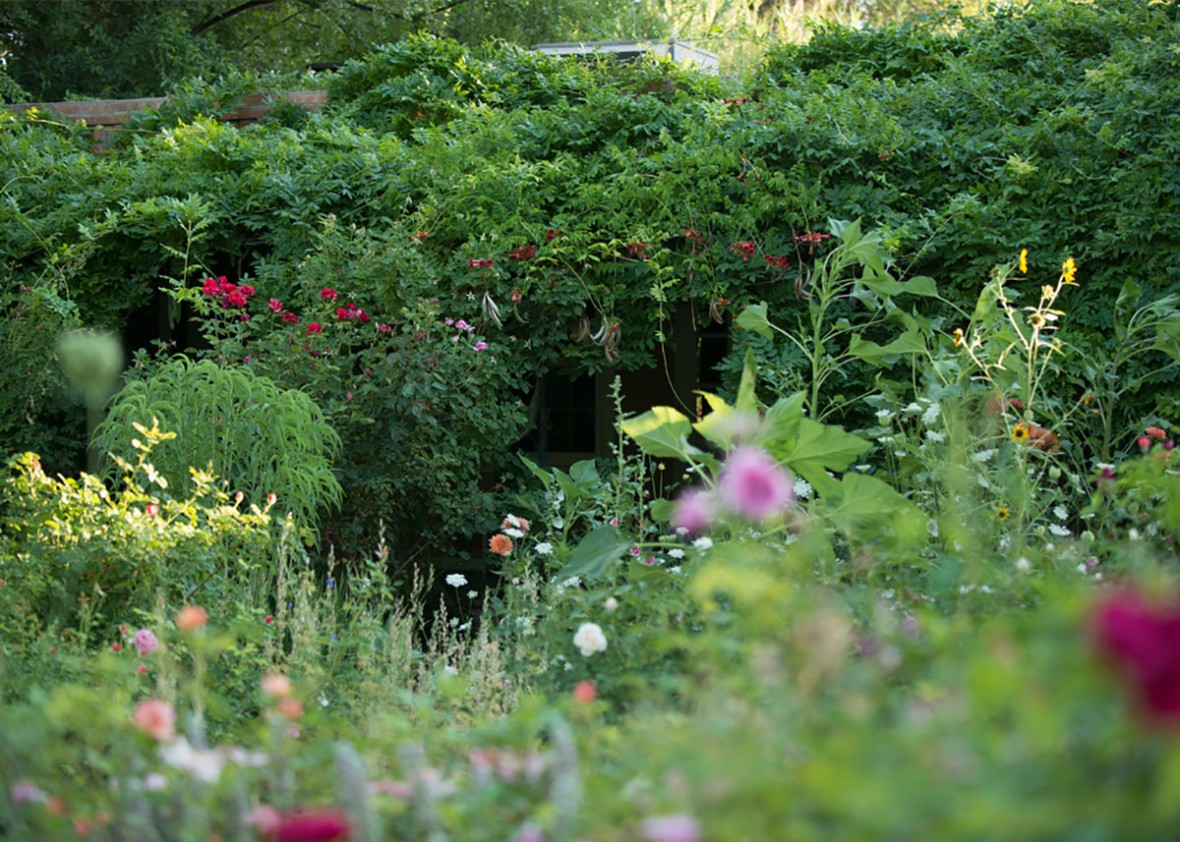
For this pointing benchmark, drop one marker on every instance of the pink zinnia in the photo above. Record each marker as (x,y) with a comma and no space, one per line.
(1143,642)
(275,305)
(753,485)
(480,346)
(693,513)
(145,641)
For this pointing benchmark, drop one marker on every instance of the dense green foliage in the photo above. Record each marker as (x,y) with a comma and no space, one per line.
(566,209)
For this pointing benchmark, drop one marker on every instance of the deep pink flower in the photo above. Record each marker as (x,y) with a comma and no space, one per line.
(551,234)
(694,512)
(275,305)
(246,290)
(225,286)
(480,346)
(524,253)
(475,263)
(212,286)
(152,509)
(384,328)
(328,293)
(290,318)
(745,248)
(314,327)
(1143,642)
(237,298)
(753,485)
(310,826)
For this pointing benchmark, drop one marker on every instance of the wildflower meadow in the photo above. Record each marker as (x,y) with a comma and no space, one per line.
(538,450)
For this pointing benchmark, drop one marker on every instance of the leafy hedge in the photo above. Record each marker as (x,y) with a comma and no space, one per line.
(604,194)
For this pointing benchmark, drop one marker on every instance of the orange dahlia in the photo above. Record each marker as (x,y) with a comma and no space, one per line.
(500,544)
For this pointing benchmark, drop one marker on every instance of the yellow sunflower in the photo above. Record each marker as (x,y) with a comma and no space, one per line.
(1020,432)
(1003,512)
(1024,261)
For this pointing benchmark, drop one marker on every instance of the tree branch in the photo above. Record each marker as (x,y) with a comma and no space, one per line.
(226,15)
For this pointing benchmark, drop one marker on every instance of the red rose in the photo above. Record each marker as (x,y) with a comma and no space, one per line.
(314,327)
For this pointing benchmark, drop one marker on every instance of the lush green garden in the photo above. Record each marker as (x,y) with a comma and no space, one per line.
(294,569)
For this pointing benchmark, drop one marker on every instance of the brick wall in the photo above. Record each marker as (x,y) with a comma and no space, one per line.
(108,116)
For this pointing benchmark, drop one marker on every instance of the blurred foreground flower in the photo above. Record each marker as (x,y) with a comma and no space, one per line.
(1143,642)
(590,639)
(155,718)
(309,826)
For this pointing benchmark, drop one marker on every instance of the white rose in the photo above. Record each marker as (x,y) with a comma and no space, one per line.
(590,639)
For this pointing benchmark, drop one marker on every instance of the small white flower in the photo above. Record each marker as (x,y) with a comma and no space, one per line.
(935,436)
(1022,564)
(1060,512)
(1081,568)
(884,415)
(912,408)
(675,569)
(676,553)
(703,543)
(1059,530)
(513,533)
(324,701)
(202,764)
(611,604)
(449,670)
(456,580)
(931,414)
(454,622)
(571,582)
(559,524)
(932,528)
(985,589)
(1132,534)
(983,455)
(472,594)
(590,639)
(802,489)
(543,548)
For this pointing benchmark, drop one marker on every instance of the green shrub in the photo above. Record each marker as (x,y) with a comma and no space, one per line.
(261,439)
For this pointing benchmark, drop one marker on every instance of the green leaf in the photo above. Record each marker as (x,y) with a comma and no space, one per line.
(754,318)
(746,401)
(887,287)
(585,473)
(661,510)
(595,553)
(781,423)
(539,472)
(662,431)
(822,448)
(1124,307)
(910,342)
(865,509)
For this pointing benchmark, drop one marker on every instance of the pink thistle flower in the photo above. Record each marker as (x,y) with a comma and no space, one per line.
(155,718)
(145,641)
(753,485)
(694,512)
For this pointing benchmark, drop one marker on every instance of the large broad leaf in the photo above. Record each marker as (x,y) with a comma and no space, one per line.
(663,431)
(910,342)
(781,423)
(585,473)
(1167,339)
(539,472)
(597,551)
(746,400)
(887,287)
(819,449)
(718,425)
(867,509)
(754,318)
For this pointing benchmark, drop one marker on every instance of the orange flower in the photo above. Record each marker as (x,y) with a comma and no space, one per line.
(1042,438)
(289,707)
(1156,433)
(584,692)
(500,544)
(276,685)
(191,617)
